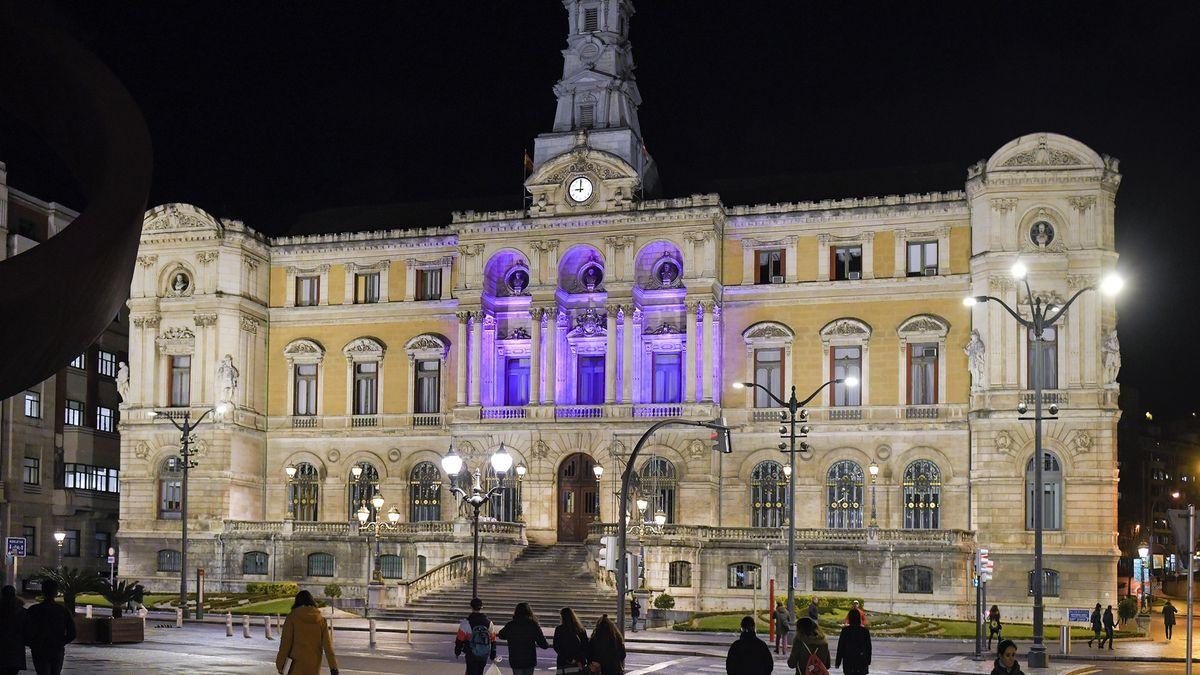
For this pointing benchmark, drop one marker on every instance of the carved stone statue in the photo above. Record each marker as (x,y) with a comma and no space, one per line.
(1111,350)
(123,381)
(227,379)
(976,353)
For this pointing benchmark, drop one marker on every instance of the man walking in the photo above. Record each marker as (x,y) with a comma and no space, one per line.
(1169,612)
(749,655)
(813,611)
(51,627)
(1109,624)
(476,639)
(781,628)
(635,611)
(1096,626)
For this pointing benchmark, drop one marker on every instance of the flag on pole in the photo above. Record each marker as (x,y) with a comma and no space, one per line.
(527,163)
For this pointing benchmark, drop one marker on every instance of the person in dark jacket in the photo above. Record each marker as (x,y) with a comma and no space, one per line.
(1169,612)
(854,648)
(994,625)
(524,636)
(749,655)
(1006,662)
(49,629)
(635,612)
(607,648)
(808,641)
(570,643)
(12,632)
(465,639)
(1109,624)
(814,610)
(1096,627)
(782,628)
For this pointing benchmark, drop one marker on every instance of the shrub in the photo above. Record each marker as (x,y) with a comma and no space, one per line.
(72,581)
(273,589)
(664,601)
(333,591)
(1127,608)
(119,594)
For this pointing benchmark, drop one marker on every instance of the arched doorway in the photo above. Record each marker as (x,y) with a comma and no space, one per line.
(578,498)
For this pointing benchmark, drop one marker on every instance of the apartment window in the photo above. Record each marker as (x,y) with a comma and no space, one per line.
(320,565)
(587,116)
(1052,492)
(516,381)
(391,566)
(366,388)
(845,262)
(254,562)
(428,392)
(916,579)
(768,372)
(770,266)
(366,288)
(1050,579)
(106,419)
(88,477)
(830,578)
(79,362)
(680,574)
(181,381)
(744,575)
(170,489)
(305,402)
(429,284)
(70,545)
(1049,364)
(106,363)
(590,381)
(30,534)
(103,541)
(31,471)
(33,404)
(169,560)
(591,20)
(922,258)
(308,291)
(922,374)
(73,413)
(667,377)
(847,362)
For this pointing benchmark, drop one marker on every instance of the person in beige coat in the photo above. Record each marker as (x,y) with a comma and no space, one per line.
(305,636)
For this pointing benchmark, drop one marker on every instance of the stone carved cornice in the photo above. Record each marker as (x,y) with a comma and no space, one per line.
(1082,204)
(147,260)
(249,324)
(206,257)
(146,321)
(204,319)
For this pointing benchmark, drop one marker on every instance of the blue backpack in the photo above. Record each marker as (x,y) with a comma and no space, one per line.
(481,641)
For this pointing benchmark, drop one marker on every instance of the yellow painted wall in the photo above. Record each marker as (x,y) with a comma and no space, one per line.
(960,249)
(731,268)
(884,251)
(278,286)
(396,281)
(806,258)
(337,284)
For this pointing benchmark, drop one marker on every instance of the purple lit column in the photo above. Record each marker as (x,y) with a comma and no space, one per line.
(550,376)
(706,369)
(535,355)
(627,359)
(610,354)
(689,354)
(460,348)
(476,355)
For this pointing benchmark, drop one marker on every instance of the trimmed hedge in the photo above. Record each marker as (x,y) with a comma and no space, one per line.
(273,589)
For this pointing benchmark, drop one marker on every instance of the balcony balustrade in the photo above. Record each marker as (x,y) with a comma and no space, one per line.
(868,536)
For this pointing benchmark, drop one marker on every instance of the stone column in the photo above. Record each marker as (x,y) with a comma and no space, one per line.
(610,354)
(535,356)
(627,359)
(476,355)
(689,354)
(460,348)
(551,353)
(709,336)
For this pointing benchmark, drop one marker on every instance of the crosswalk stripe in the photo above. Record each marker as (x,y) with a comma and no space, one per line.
(659,666)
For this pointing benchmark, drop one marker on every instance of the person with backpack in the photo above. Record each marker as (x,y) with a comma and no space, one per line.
(810,651)
(524,635)
(854,648)
(749,655)
(1109,624)
(1006,660)
(635,611)
(476,639)
(782,628)
(994,625)
(12,632)
(304,638)
(50,627)
(1169,612)
(606,651)
(570,644)
(1096,627)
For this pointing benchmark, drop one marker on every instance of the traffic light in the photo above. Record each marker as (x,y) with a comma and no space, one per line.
(984,566)
(608,553)
(721,436)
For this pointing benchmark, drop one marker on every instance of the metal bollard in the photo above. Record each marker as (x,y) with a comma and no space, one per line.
(228,624)
(142,613)
(88,611)
(179,617)
(246,625)
(409,631)
(267,627)
(1064,638)
(371,632)
(331,634)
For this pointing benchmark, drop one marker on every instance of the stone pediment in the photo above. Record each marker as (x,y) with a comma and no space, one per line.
(1044,151)
(582,160)
(179,218)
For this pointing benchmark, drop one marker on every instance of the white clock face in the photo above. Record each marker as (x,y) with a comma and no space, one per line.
(580,189)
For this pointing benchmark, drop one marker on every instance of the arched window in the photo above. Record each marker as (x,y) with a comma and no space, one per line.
(680,574)
(361,489)
(844,488)
(922,495)
(170,489)
(303,491)
(391,566)
(424,493)
(768,495)
(1049,582)
(254,562)
(659,483)
(1052,480)
(506,505)
(830,578)
(169,560)
(320,565)
(744,575)
(916,579)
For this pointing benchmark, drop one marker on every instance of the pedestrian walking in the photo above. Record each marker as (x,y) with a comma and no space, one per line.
(1109,623)
(1096,627)
(12,632)
(749,655)
(809,648)
(782,628)
(635,611)
(855,609)
(476,639)
(1006,661)
(994,626)
(854,648)
(49,629)
(305,638)
(524,635)
(606,649)
(1169,612)
(570,644)
(813,609)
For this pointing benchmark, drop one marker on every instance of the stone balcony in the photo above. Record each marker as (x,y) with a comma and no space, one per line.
(756,537)
(954,413)
(433,422)
(438,530)
(586,413)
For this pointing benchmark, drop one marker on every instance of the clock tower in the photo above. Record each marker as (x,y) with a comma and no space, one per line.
(598,93)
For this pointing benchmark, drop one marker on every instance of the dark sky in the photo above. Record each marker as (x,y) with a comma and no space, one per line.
(267,110)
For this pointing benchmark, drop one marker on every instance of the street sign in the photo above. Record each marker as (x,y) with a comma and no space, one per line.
(112,559)
(1081,615)
(15,546)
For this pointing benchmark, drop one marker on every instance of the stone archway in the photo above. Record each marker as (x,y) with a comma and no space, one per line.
(578,501)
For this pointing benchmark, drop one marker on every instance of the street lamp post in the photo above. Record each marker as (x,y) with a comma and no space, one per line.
(186,426)
(112,564)
(59,537)
(1042,315)
(794,413)
(452,464)
(599,473)
(372,527)
(874,469)
(1144,554)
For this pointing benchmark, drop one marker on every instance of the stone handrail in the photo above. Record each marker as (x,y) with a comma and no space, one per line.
(438,577)
(431,527)
(498,527)
(940,413)
(866,535)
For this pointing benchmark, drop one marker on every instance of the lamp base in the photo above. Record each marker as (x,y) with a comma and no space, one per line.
(1038,658)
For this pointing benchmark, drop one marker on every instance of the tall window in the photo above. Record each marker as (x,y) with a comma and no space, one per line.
(106,363)
(73,413)
(847,362)
(1050,582)
(922,258)
(587,116)
(768,372)
(181,380)
(504,506)
(33,404)
(424,493)
(30,534)
(667,377)
(254,562)
(366,288)
(1049,364)
(590,383)
(103,541)
(89,477)
(429,284)
(70,545)
(391,566)
(516,380)
(916,579)
(659,484)
(169,560)
(308,291)
(680,574)
(320,565)
(79,362)
(770,266)
(922,495)
(305,401)
(170,489)
(922,374)
(768,495)
(1052,480)
(591,20)
(31,471)
(428,392)
(845,262)
(362,489)
(303,493)
(106,419)
(366,388)
(744,575)
(844,490)
(830,578)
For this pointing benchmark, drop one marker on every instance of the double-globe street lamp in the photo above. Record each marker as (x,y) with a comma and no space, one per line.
(59,538)
(373,527)
(794,414)
(452,464)
(1042,315)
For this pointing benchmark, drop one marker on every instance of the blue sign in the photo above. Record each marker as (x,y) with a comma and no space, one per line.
(15,546)
(1081,615)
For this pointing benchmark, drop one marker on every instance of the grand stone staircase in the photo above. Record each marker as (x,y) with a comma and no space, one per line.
(547,577)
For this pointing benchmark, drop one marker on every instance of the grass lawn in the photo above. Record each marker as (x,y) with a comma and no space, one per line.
(720,623)
(280,606)
(97,600)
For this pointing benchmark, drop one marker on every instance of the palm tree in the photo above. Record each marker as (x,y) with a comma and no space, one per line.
(71,582)
(119,594)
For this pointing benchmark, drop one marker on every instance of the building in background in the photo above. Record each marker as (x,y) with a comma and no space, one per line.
(59,446)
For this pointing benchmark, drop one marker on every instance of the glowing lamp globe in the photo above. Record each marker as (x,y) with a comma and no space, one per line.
(452,463)
(501,460)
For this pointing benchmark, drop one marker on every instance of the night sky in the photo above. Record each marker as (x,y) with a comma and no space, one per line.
(265,111)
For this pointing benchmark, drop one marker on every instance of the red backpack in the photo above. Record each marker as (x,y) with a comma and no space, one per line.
(814,665)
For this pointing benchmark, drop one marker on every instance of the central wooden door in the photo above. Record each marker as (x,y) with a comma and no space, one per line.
(578,498)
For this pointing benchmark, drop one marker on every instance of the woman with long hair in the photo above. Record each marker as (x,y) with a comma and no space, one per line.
(524,636)
(570,644)
(808,643)
(305,637)
(606,651)
(12,632)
